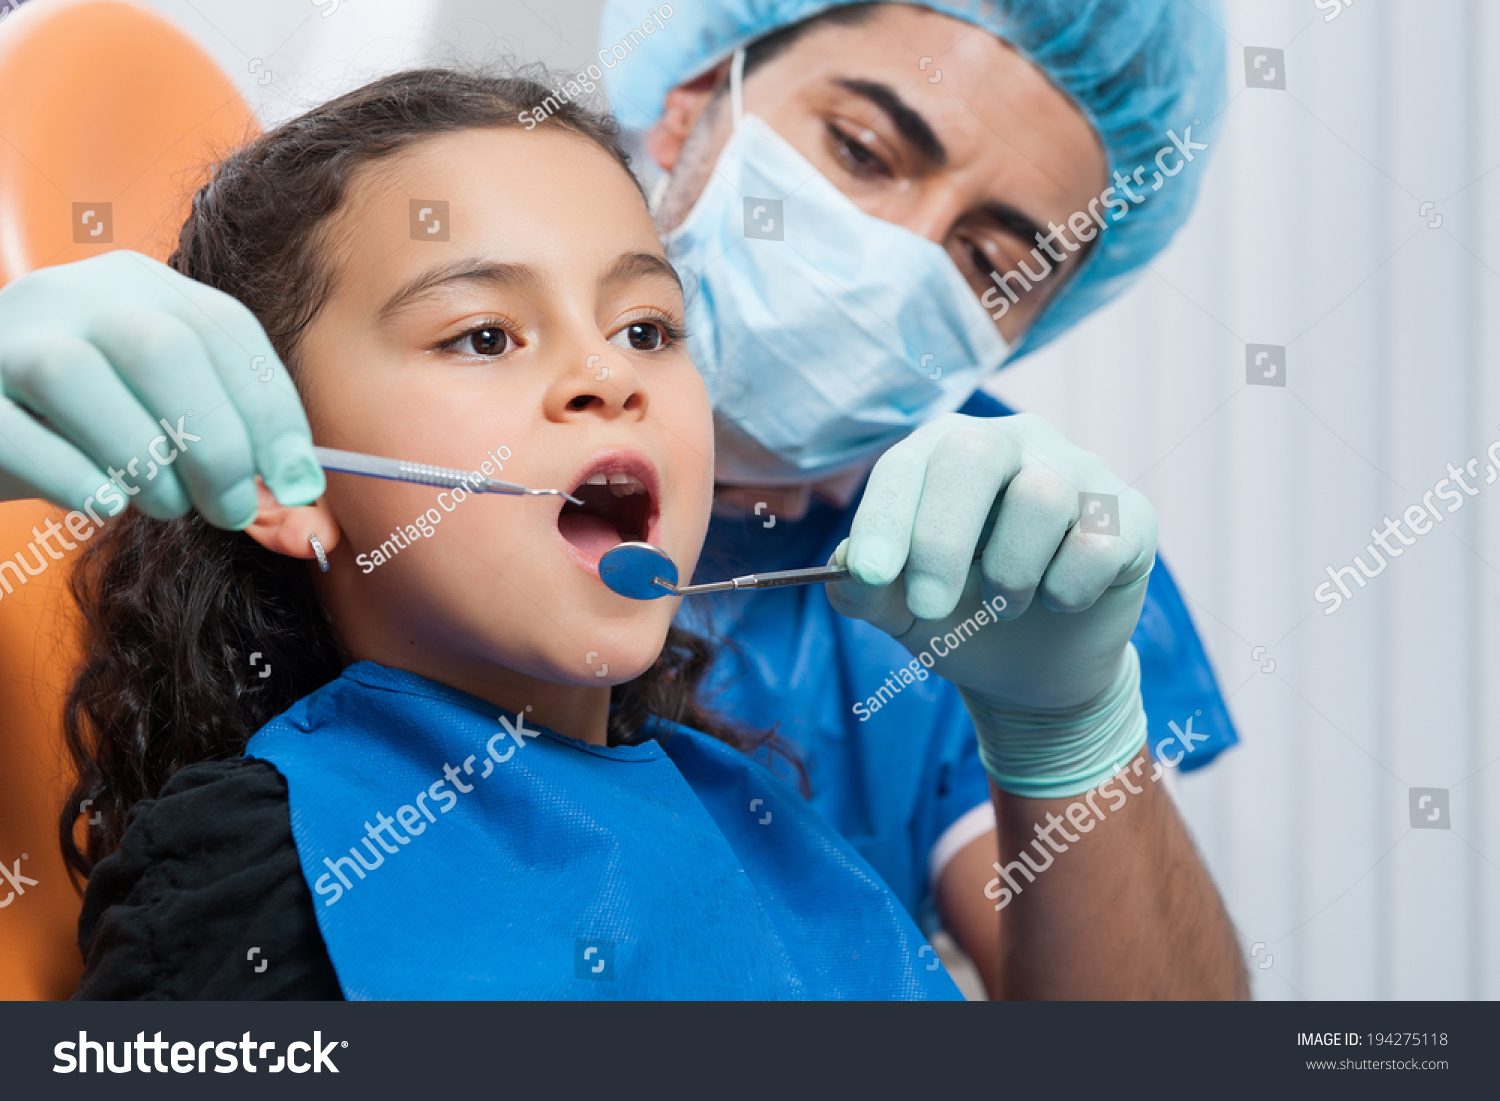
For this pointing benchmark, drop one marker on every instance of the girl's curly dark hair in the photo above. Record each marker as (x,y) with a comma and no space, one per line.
(172,610)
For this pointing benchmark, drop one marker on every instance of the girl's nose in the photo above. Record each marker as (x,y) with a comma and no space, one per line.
(598,383)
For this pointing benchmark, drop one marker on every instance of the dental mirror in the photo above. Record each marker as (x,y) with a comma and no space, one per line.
(642,571)
(638,570)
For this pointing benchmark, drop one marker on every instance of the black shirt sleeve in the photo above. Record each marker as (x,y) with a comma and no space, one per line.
(205,873)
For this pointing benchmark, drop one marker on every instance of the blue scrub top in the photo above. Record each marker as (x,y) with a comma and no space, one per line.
(456,851)
(894,780)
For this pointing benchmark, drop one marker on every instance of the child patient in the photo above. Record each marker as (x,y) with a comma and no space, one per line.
(459,766)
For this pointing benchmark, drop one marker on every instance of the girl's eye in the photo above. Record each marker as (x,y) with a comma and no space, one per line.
(487,340)
(642,336)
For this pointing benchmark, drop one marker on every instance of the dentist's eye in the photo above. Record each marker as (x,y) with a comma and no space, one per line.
(486,340)
(983,265)
(646,336)
(855,155)
(988,265)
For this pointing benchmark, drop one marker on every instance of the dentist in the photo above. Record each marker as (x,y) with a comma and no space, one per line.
(879,205)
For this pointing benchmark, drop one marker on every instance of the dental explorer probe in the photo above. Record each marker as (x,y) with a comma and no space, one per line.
(373,466)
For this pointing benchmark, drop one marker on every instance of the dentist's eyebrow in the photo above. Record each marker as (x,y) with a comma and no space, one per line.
(471,270)
(640,265)
(907,121)
(1011,220)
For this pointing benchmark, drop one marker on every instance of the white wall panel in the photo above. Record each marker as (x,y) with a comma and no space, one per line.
(1309,235)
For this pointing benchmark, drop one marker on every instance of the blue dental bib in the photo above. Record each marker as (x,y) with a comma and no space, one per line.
(456,851)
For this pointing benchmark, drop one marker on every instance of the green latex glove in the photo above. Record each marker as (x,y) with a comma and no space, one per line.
(100,363)
(1042,620)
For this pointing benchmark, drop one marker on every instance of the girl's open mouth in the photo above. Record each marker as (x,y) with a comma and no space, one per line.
(618,491)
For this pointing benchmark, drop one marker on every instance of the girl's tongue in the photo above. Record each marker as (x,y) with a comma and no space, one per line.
(590,533)
(616,509)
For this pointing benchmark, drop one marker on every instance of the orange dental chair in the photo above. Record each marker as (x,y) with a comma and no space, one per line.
(109,117)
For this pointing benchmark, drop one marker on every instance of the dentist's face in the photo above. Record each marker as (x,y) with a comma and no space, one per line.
(922,120)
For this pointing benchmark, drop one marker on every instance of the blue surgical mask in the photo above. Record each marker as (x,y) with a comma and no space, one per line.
(825,334)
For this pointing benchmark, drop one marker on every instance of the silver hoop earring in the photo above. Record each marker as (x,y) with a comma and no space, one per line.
(317,546)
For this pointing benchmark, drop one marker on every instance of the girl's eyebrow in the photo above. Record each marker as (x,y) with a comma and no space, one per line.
(627,267)
(469,270)
(630,266)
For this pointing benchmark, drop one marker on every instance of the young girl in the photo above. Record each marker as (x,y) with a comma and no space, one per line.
(453,765)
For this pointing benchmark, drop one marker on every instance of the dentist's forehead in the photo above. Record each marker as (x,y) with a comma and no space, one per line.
(991,118)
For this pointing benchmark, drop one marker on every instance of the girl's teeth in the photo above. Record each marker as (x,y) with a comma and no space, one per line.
(621,485)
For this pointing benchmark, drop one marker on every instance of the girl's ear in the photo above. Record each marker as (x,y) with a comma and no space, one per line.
(287,530)
(685,105)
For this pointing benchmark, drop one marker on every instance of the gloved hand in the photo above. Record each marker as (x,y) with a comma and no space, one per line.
(123,381)
(1036,633)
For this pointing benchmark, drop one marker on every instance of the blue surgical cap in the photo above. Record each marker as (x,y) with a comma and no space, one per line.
(1136,68)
